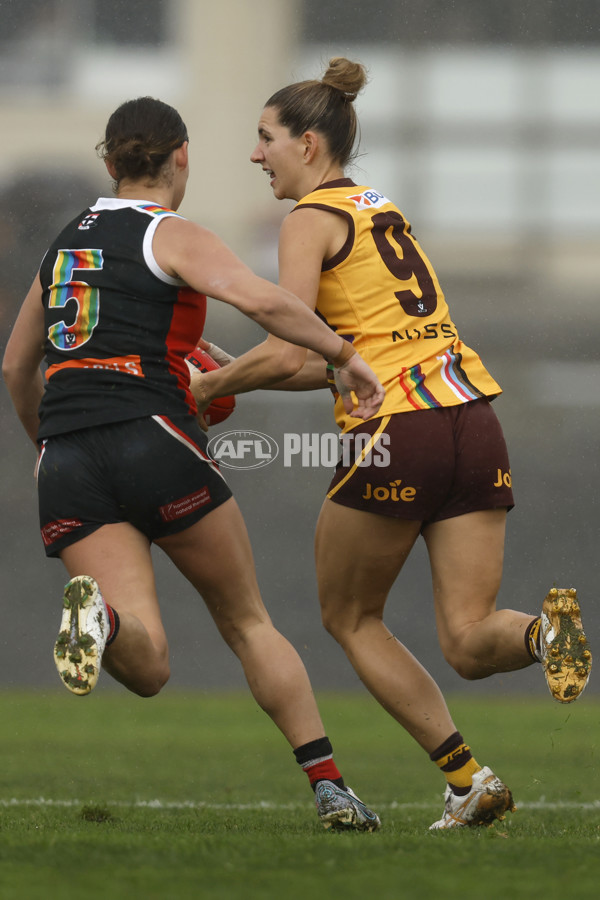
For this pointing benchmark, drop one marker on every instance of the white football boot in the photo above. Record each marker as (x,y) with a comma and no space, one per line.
(83,632)
(488,799)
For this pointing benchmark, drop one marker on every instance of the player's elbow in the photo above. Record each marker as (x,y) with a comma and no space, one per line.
(289,361)
(19,367)
(264,310)
(13,375)
(8,369)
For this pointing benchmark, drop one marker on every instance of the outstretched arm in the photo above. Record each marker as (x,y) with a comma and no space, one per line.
(22,358)
(311,377)
(206,264)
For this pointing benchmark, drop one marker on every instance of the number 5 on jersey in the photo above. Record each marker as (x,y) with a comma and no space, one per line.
(65,288)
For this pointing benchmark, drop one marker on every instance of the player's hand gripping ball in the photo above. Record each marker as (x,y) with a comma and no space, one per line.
(220,408)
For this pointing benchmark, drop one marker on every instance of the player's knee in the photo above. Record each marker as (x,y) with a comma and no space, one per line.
(152,683)
(331,623)
(345,627)
(465,666)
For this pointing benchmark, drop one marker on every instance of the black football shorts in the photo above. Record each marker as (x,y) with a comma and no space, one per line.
(153,472)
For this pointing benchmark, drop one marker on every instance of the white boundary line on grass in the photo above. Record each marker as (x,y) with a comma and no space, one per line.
(541,804)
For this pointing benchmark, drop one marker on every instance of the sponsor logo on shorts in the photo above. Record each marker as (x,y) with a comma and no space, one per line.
(55,530)
(391,491)
(185,505)
(503,479)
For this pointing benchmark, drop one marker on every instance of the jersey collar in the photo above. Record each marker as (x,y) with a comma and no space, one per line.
(338,182)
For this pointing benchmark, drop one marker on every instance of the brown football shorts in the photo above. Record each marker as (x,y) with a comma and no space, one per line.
(426,465)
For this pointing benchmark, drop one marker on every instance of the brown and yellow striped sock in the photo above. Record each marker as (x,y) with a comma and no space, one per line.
(454,758)
(532,639)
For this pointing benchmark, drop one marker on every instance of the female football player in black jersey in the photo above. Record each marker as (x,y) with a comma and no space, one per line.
(118,303)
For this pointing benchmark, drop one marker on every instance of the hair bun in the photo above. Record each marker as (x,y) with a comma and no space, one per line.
(345,76)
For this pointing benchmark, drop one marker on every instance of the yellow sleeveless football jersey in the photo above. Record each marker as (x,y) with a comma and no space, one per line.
(380,293)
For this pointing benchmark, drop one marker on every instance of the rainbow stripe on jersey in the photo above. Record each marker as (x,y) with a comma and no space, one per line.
(455,377)
(412,382)
(157,210)
(416,388)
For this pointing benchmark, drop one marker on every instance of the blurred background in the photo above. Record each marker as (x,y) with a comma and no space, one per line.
(481,121)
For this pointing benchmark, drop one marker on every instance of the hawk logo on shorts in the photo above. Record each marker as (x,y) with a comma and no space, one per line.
(88,222)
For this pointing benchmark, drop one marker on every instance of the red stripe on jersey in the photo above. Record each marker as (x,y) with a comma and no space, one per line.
(187,325)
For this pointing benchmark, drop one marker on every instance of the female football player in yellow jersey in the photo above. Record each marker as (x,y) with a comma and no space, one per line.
(348,252)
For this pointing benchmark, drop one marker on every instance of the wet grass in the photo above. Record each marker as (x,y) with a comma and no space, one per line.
(197,795)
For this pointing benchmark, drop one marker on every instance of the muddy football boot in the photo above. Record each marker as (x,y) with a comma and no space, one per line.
(565,650)
(83,632)
(341,810)
(489,799)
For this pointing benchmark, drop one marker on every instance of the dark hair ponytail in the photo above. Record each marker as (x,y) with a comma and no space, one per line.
(139,138)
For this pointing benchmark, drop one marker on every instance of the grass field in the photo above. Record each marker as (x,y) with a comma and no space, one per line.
(197,795)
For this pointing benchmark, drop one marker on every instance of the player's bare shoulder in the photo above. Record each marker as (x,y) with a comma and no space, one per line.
(323,230)
(179,243)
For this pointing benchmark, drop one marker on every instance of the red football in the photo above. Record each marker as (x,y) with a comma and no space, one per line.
(221,407)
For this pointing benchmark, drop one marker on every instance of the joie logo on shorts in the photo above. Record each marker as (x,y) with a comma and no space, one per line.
(243,449)
(391,491)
